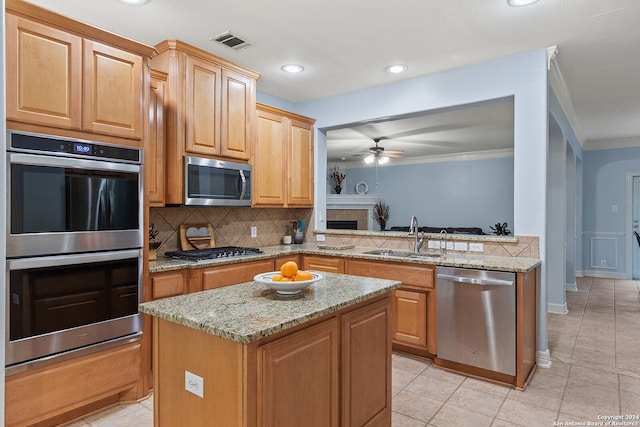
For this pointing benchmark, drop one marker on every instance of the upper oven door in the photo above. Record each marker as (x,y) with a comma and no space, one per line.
(60,205)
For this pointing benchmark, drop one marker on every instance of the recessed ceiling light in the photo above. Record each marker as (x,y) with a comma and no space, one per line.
(292,68)
(134,2)
(518,3)
(395,69)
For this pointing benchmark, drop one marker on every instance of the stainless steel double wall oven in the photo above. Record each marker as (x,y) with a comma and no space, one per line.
(74,247)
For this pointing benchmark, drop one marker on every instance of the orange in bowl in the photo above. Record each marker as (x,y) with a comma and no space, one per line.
(289,269)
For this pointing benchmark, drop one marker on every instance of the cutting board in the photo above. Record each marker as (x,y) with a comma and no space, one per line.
(196,236)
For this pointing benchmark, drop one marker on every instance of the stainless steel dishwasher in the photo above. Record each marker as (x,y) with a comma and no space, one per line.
(476,312)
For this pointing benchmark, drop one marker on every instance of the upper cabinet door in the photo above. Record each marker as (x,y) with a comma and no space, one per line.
(113,101)
(270,161)
(238,113)
(202,114)
(300,164)
(44,74)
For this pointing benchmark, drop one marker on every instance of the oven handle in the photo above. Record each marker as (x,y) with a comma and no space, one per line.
(52,161)
(72,259)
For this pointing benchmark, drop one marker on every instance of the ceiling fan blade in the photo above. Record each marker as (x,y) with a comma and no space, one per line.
(392,155)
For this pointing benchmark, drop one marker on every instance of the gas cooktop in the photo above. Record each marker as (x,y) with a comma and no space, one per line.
(212,253)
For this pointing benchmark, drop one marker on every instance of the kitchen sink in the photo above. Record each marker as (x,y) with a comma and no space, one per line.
(403,254)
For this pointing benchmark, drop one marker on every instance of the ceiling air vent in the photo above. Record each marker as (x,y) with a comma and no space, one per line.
(231,40)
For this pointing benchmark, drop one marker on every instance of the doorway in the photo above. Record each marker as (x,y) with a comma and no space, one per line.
(635,226)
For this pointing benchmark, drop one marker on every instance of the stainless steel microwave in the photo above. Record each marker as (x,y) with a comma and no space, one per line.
(209,182)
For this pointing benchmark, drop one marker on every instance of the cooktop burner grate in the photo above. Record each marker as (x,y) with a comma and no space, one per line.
(212,253)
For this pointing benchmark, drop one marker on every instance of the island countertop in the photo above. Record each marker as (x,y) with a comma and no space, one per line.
(249,311)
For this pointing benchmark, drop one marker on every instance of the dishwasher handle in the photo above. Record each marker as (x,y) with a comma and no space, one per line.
(475,281)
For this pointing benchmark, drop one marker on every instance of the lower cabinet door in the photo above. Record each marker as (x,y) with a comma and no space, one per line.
(298,378)
(366,366)
(410,318)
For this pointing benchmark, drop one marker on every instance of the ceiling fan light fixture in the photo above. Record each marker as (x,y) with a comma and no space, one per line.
(135,2)
(518,3)
(396,68)
(369,159)
(382,160)
(292,68)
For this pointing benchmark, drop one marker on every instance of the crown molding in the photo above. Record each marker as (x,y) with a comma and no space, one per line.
(610,144)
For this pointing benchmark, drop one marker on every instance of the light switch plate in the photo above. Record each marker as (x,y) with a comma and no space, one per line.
(254,231)
(319,237)
(433,244)
(460,246)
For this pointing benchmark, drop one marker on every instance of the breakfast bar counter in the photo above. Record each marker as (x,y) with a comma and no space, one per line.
(244,355)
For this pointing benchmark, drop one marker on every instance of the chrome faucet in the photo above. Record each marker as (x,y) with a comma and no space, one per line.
(444,248)
(413,231)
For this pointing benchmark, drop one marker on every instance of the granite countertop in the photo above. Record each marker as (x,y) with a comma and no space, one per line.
(249,311)
(484,262)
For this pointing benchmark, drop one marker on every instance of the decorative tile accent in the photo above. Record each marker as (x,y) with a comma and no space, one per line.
(231,226)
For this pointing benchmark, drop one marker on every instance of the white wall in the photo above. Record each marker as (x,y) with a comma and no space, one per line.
(523,76)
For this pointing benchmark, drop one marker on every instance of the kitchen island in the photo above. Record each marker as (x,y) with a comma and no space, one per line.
(244,355)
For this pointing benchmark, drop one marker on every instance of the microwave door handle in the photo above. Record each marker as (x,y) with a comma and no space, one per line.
(244,185)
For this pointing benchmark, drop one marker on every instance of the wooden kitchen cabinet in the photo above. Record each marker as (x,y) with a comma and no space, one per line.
(154,150)
(366,369)
(210,109)
(202,279)
(169,283)
(331,371)
(58,393)
(413,305)
(63,74)
(283,159)
(323,263)
(305,363)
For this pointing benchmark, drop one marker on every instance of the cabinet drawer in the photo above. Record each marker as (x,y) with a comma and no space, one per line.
(168,284)
(233,274)
(411,275)
(320,263)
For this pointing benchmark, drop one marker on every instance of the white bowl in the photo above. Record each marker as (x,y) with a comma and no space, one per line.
(286,288)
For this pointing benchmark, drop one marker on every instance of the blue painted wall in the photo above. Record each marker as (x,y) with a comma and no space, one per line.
(470,193)
(522,76)
(604,231)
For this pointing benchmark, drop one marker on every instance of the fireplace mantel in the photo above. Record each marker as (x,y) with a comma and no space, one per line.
(351,201)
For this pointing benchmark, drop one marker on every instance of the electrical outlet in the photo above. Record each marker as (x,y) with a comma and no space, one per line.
(319,237)
(254,231)
(194,384)
(476,247)
(603,263)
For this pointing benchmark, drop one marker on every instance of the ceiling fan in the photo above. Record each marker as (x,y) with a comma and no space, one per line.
(379,155)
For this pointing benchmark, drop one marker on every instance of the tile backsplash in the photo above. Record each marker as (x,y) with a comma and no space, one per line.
(231,226)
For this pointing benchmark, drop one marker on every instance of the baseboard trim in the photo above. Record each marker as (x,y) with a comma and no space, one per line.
(605,274)
(572,287)
(557,308)
(543,358)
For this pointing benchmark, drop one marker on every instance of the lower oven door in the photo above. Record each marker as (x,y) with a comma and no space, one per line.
(61,303)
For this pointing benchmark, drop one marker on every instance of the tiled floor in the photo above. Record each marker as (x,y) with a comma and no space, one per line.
(595,372)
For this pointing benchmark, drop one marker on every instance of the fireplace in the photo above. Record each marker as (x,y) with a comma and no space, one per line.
(342,224)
